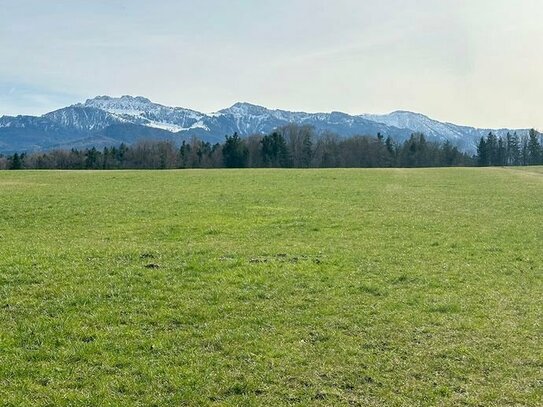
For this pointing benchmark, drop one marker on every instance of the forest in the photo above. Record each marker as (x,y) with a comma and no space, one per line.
(292,146)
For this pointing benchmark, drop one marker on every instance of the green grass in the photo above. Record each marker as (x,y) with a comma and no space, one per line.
(264,287)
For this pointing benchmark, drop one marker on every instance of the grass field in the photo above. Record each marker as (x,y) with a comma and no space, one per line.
(264,287)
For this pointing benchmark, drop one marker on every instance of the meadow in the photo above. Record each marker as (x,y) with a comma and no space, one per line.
(272,287)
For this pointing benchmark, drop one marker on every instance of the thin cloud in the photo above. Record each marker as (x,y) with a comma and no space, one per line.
(468,62)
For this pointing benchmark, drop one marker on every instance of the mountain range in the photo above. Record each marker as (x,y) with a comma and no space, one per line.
(107,121)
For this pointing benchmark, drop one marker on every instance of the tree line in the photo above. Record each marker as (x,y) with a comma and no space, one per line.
(292,146)
(510,150)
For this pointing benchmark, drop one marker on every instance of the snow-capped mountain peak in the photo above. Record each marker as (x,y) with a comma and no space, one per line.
(142,111)
(246,109)
(123,104)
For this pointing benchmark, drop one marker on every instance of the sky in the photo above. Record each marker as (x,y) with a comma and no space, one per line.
(476,62)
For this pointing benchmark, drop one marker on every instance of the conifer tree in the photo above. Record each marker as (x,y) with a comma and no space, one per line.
(482,153)
(235,152)
(16,162)
(534,148)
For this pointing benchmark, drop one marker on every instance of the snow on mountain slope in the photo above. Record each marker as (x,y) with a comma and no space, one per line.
(82,118)
(246,118)
(140,110)
(418,123)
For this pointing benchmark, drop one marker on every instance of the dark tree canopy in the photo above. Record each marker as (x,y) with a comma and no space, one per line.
(510,150)
(291,146)
(235,152)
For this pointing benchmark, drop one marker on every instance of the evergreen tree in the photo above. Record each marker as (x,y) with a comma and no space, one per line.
(105,159)
(449,155)
(16,162)
(275,151)
(235,152)
(91,161)
(501,153)
(482,153)
(492,149)
(525,152)
(391,152)
(307,151)
(415,152)
(534,149)
(183,155)
(121,154)
(513,149)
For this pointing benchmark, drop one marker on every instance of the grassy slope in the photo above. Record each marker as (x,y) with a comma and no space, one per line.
(338,287)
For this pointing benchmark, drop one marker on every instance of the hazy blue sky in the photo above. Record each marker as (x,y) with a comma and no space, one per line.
(477,62)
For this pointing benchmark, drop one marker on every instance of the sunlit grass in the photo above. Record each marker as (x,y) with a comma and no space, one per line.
(269,287)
